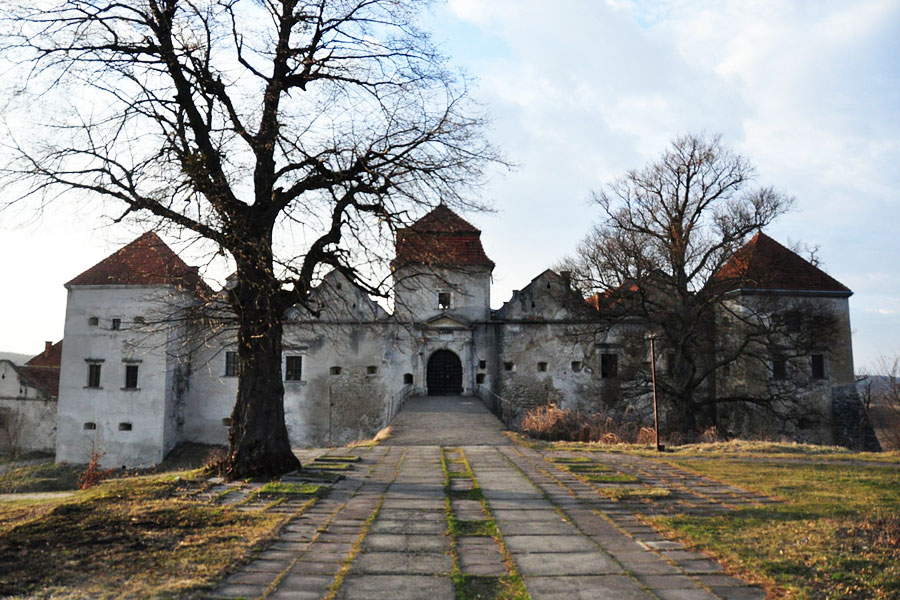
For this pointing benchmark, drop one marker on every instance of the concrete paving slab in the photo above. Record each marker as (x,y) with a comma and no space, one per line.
(413,563)
(607,587)
(396,587)
(386,542)
(520,544)
(572,563)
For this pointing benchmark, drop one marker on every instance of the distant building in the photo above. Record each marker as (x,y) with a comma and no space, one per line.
(28,400)
(139,376)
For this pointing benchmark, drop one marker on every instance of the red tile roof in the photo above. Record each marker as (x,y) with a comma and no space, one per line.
(145,261)
(763,264)
(441,238)
(42,371)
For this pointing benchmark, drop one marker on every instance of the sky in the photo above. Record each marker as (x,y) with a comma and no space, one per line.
(580,91)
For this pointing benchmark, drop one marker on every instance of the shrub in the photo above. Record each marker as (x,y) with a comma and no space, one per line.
(552,423)
(93,474)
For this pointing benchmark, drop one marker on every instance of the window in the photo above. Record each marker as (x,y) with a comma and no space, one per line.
(407,378)
(609,366)
(226,421)
(293,368)
(93,379)
(482,364)
(116,324)
(576,366)
(131,377)
(124,426)
(231,364)
(444,300)
(371,370)
(542,367)
(817,362)
(779,368)
(139,320)
(335,370)
(479,378)
(93,321)
(792,322)
(90,426)
(508,366)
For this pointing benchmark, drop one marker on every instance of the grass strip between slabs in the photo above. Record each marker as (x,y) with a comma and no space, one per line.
(477,587)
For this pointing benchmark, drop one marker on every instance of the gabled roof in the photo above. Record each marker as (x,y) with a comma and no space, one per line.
(764,265)
(441,238)
(42,371)
(145,261)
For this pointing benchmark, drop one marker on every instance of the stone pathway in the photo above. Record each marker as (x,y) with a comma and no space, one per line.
(451,500)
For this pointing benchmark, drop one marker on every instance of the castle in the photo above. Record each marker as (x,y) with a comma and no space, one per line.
(136,379)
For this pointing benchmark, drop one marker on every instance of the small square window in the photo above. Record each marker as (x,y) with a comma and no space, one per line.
(817,362)
(576,366)
(226,421)
(231,364)
(293,368)
(508,366)
(407,379)
(90,426)
(93,321)
(124,426)
(335,370)
(542,367)
(116,324)
(609,366)
(93,378)
(444,300)
(479,378)
(371,370)
(139,320)
(131,377)
(482,364)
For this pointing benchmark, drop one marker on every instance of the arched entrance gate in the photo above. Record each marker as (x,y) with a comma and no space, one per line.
(444,374)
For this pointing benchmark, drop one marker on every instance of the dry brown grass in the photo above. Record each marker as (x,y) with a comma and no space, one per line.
(552,423)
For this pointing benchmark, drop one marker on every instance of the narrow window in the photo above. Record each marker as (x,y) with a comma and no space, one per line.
(482,364)
(609,366)
(479,378)
(293,368)
(93,379)
(231,364)
(818,366)
(93,321)
(576,366)
(90,426)
(542,367)
(444,300)
(371,370)
(131,377)
(407,378)
(779,369)
(335,370)
(124,426)
(116,324)
(508,366)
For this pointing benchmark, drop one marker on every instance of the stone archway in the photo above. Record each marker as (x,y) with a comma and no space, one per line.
(444,374)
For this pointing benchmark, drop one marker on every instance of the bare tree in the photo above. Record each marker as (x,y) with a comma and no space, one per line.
(254,125)
(658,257)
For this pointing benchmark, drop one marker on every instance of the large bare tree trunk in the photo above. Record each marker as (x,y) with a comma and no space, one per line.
(258,438)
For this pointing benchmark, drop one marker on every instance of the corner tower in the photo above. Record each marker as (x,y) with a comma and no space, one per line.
(441,269)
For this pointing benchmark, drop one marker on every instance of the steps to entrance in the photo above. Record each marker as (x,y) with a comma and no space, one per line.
(446,421)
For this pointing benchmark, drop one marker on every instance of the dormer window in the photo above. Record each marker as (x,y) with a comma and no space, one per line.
(443,300)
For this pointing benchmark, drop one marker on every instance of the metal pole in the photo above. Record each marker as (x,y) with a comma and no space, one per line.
(653,379)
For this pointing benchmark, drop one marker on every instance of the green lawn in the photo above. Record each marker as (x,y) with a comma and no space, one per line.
(835,535)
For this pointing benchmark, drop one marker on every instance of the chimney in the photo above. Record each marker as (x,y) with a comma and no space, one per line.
(566,277)
(47,346)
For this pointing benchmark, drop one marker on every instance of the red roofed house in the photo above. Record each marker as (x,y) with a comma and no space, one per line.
(28,402)
(135,382)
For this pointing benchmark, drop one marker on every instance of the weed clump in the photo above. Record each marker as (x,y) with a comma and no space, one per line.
(553,424)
